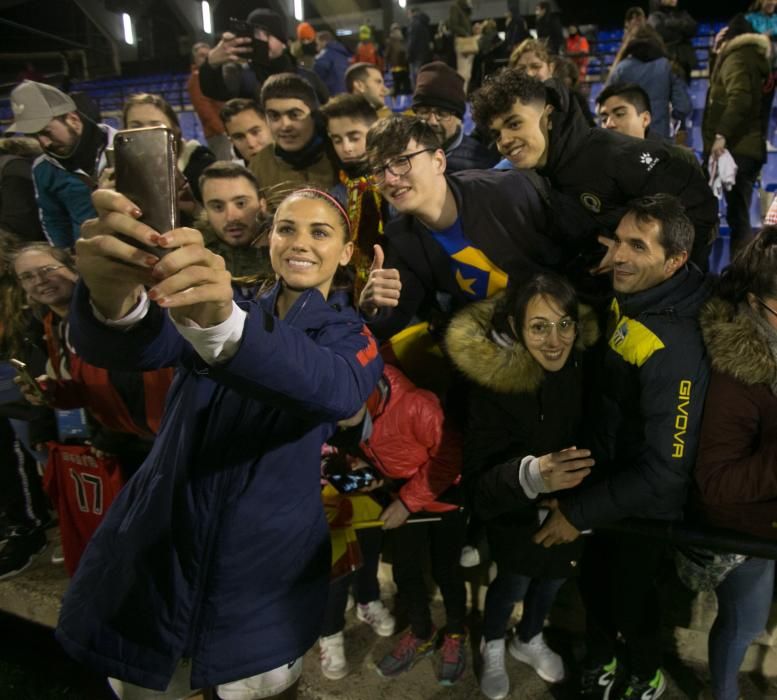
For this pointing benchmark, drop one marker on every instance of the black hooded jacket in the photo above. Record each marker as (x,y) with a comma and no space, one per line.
(604,170)
(647,415)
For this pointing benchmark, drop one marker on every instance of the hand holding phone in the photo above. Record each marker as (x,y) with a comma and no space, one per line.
(30,387)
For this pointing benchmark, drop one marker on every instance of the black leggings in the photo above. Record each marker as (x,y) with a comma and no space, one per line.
(442,541)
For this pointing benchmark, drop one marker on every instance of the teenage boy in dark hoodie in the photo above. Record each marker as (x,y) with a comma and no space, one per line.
(536,126)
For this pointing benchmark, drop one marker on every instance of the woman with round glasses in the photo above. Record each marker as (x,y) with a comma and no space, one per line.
(736,468)
(521,352)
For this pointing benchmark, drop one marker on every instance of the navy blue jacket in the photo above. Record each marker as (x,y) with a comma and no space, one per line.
(217,550)
(331,64)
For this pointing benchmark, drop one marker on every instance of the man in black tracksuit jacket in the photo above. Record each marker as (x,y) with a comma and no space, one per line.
(646,421)
(536,125)
(459,236)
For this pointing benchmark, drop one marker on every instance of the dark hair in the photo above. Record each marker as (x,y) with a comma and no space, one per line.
(289,86)
(350,106)
(566,69)
(389,137)
(147,98)
(633,12)
(545,5)
(675,230)
(632,93)
(517,298)
(358,71)
(498,96)
(738,25)
(13,303)
(228,170)
(753,269)
(237,105)
(324,36)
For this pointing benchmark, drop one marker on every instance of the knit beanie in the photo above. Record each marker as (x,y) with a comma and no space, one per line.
(438,85)
(269,20)
(305,31)
(365,33)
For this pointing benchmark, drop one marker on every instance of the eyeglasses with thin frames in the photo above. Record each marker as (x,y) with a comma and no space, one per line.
(31,276)
(540,329)
(401,165)
(766,306)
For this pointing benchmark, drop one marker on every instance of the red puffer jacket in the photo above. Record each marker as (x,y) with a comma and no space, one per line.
(411,441)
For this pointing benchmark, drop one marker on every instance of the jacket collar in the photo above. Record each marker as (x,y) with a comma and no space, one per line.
(496,363)
(680,295)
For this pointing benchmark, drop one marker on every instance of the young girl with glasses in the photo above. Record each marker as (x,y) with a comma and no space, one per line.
(521,352)
(212,567)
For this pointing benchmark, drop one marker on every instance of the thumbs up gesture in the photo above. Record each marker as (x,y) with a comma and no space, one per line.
(382,288)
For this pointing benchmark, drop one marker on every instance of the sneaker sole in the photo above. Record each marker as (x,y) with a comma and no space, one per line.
(524,660)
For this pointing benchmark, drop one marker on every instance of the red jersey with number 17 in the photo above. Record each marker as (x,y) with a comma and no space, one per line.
(81,486)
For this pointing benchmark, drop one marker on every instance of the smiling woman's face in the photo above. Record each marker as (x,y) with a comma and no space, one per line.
(46,280)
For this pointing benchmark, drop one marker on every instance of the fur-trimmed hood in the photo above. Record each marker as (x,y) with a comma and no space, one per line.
(508,369)
(736,345)
(760,41)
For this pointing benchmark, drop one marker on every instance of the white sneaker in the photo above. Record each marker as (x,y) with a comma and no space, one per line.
(546,662)
(494,681)
(377,616)
(334,665)
(469,557)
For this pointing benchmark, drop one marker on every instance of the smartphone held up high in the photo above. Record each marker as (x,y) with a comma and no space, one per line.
(146,174)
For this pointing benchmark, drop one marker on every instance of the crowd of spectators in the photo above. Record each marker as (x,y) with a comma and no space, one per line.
(375,333)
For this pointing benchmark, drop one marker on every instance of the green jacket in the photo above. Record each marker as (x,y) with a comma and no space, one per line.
(734,101)
(246,261)
(459,23)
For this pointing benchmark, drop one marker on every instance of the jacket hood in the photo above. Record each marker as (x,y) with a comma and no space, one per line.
(644,50)
(506,368)
(335,45)
(568,126)
(736,345)
(759,41)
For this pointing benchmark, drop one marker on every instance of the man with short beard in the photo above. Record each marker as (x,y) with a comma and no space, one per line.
(235,219)
(73,157)
(440,101)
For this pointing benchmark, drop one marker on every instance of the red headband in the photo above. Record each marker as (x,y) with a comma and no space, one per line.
(331,200)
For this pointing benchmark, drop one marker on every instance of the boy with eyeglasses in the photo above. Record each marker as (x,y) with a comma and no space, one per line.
(460,236)
(440,101)
(299,154)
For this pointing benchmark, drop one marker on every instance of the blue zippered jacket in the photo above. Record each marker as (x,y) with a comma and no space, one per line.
(217,550)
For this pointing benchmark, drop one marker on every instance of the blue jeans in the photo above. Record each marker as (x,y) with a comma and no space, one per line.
(505,591)
(744,599)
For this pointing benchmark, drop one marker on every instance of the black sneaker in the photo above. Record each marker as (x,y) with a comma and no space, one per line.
(597,681)
(642,688)
(19,552)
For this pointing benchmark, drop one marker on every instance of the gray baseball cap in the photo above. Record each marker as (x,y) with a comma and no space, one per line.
(36,104)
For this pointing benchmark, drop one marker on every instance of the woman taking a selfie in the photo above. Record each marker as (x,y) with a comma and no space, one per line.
(212,567)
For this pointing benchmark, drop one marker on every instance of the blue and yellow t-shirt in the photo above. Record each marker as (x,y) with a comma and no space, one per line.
(475,274)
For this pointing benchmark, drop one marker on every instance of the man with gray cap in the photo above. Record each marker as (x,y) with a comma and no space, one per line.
(73,157)
(439,100)
(238,65)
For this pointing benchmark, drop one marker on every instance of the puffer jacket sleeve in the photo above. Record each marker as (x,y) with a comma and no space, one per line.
(64,203)
(737,463)
(444,447)
(490,469)
(329,378)
(151,344)
(673,386)
(743,96)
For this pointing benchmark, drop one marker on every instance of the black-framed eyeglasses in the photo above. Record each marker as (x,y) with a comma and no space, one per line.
(766,306)
(401,165)
(426,112)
